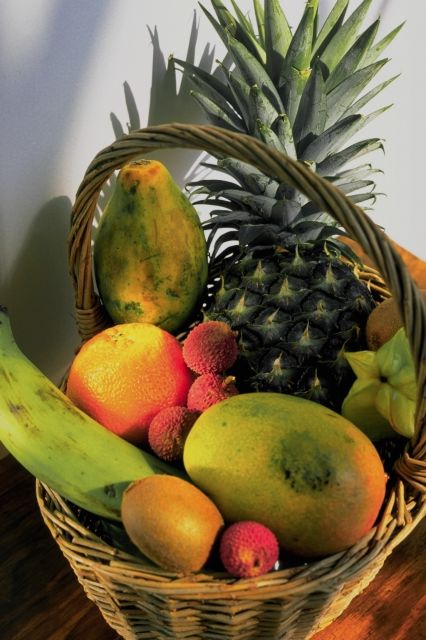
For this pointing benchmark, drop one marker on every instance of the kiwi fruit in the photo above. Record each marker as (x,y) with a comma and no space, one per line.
(383,322)
(171,521)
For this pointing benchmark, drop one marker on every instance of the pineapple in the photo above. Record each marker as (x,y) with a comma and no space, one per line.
(279,274)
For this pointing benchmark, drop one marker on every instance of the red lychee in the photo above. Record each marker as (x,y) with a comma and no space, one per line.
(168,431)
(208,389)
(211,347)
(248,549)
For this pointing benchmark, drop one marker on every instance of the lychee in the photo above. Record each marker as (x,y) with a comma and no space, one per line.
(208,389)
(168,431)
(248,549)
(211,347)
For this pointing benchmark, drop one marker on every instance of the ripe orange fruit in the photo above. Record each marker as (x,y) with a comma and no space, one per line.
(125,374)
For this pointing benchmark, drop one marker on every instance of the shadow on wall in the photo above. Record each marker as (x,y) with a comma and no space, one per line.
(38,98)
(170,103)
(36,287)
(36,282)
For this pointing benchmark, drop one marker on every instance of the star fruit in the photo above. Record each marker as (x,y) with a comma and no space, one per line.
(382,400)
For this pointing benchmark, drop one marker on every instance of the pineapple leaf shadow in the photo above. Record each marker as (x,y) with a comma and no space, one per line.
(41,304)
(169,102)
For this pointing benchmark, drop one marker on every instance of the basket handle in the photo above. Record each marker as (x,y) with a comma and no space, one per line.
(91,316)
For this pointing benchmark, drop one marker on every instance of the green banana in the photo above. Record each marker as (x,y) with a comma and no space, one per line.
(59,444)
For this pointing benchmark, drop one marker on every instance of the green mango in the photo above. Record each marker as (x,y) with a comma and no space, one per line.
(150,254)
(291,464)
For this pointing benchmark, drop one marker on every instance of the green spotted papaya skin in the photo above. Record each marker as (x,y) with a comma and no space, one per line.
(150,255)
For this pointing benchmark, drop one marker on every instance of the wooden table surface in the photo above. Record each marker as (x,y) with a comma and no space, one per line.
(40,598)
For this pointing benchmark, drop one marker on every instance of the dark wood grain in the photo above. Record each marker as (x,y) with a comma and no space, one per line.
(41,599)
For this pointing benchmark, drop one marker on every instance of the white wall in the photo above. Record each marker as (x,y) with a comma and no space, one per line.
(63,64)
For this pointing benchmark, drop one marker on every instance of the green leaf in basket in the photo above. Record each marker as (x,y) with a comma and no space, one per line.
(332,139)
(260,20)
(342,97)
(335,136)
(345,37)
(353,59)
(383,397)
(331,24)
(240,29)
(378,49)
(312,112)
(285,134)
(240,92)
(333,162)
(218,116)
(397,409)
(210,83)
(260,107)
(277,37)
(297,68)
(253,71)
(359,173)
(359,104)
(209,91)
(269,137)
(244,21)
(359,407)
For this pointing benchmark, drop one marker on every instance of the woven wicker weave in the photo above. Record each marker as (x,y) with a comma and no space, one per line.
(141,601)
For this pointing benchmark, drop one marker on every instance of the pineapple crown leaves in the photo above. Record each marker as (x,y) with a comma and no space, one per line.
(303,93)
(296,67)
(284,221)
(282,65)
(277,37)
(343,39)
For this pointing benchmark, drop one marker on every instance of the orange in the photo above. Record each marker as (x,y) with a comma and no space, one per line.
(125,374)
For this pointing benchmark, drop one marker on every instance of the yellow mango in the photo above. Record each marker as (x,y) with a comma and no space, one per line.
(293,465)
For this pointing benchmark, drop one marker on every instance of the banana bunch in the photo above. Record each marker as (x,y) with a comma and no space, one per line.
(59,444)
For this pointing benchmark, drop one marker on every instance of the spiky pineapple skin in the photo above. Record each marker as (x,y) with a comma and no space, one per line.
(296,313)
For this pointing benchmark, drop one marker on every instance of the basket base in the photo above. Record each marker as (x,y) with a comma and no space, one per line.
(140,601)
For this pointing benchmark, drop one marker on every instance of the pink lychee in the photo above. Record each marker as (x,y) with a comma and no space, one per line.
(168,431)
(208,389)
(211,347)
(248,549)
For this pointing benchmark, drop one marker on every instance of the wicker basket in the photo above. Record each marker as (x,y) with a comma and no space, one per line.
(138,599)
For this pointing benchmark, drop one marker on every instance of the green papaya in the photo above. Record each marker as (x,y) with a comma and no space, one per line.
(150,255)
